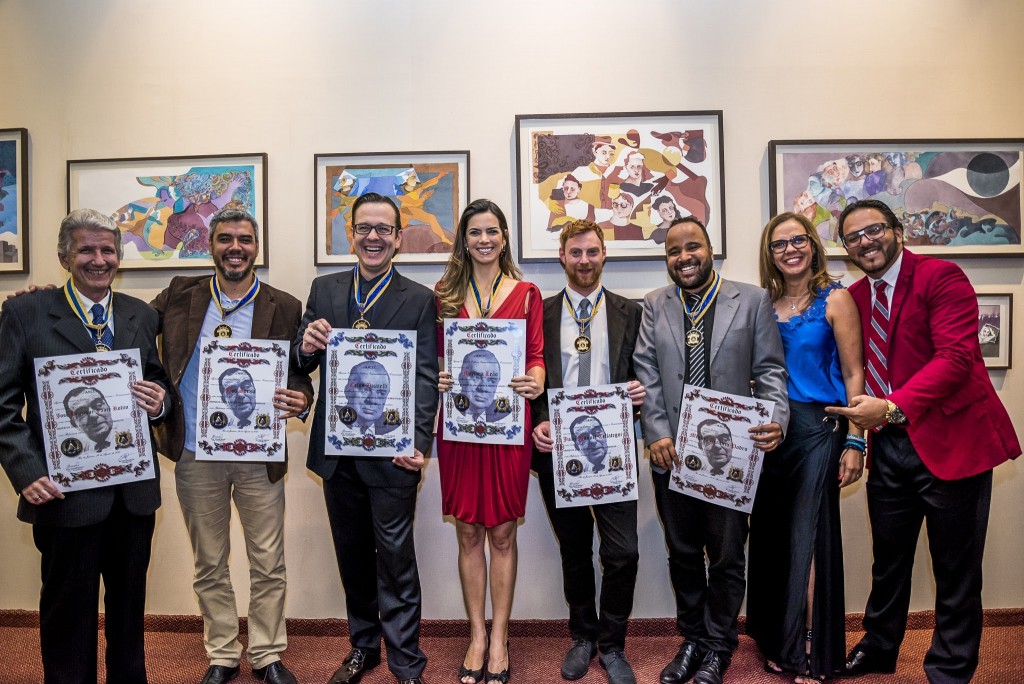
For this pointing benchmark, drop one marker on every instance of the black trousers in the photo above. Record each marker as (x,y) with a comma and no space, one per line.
(372,529)
(574,529)
(902,493)
(708,594)
(74,559)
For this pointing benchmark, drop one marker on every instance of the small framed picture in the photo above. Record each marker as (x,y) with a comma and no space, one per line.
(13,200)
(995,329)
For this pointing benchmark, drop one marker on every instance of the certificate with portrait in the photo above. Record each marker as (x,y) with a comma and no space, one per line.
(236,419)
(718,460)
(483,355)
(371,393)
(594,455)
(95,434)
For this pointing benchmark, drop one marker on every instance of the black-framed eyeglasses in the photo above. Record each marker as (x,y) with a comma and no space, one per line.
(708,441)
(365,228)
(798,242)
(872,233)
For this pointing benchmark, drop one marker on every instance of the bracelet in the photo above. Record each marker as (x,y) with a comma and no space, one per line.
(854,442)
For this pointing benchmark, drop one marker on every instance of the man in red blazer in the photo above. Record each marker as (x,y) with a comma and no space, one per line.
(938,430)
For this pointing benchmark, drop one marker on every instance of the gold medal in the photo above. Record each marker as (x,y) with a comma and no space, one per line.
(100,347)
(694,337)
(222,330)
(361,324)
(582,344)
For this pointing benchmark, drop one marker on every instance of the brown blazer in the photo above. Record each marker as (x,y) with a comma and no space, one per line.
(182,307)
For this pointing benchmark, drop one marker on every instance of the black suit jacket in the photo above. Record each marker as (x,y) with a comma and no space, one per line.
(623,327)
(182,308)
(405,305)
(42,324)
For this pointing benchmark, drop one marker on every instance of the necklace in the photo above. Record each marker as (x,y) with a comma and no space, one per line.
(795,300)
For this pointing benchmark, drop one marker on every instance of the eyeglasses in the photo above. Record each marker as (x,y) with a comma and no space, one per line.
(365,228)
(710,440)
(595,434)
(872,233)
(779,246)
(96,407)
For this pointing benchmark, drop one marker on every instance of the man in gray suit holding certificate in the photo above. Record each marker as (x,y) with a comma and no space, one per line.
(710,332)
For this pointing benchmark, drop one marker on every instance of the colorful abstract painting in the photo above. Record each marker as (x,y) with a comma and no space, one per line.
(163,206)
(13,200)
(430,190)
(632,174)
(954,198)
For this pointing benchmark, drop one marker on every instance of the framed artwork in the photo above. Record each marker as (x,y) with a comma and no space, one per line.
(163,205)
(430,188)
(955,198)
(632,174)
(13,200)
(995,329)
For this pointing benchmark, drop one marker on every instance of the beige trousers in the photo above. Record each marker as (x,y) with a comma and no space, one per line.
(205,490)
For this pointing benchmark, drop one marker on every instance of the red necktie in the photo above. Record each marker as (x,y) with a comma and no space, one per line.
(877,351)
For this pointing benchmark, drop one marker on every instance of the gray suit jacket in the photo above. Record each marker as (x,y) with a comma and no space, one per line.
(42,324)
(745,346)
(406,305)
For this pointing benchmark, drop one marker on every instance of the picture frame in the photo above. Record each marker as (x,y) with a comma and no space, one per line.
(431,190)
(163,204)
(955,197)
(634,173)
(14,181)
(995,329)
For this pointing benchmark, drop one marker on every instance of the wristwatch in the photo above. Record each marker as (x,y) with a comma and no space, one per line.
(894,415)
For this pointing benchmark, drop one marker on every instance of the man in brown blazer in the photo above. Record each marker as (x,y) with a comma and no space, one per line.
(244,308)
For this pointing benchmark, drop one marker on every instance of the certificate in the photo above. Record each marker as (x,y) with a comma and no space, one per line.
(95,434)
(483,355)
(594,455)
(236,419)
(718,461)
(371,393)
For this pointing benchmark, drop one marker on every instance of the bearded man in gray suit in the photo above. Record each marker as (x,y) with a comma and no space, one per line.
(710,332)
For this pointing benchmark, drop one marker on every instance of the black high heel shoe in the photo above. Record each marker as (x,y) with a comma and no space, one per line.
(503,676)
(477,675)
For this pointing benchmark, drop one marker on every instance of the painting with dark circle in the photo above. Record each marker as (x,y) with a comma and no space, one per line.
(958,198)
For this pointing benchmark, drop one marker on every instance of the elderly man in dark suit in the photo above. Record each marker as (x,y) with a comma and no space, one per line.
(92,534)
(233,302)
(371,502)
(585,309)
(708,332)
(936,431)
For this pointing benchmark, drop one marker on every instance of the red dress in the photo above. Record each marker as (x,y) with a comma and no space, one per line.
(486,483)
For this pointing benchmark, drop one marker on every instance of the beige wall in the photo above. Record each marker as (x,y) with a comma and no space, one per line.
(134,78)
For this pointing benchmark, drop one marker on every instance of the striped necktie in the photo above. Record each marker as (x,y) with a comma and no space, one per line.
(695,373)
(877,353)
(583,312)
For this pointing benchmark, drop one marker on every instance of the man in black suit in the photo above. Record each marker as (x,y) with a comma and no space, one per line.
(89,534)
(606,359)
(366,394)
(366,493)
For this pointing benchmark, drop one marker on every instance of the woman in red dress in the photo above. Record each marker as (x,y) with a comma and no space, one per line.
(484,485)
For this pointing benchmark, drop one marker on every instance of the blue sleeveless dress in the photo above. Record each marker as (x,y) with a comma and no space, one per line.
(796,513)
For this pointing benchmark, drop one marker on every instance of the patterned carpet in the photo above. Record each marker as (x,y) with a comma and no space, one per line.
(175,654)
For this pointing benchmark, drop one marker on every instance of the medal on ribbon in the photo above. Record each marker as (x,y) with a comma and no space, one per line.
(97,329)
(582,342)
(495,286)
(224,330)
(376,292)
(695,336)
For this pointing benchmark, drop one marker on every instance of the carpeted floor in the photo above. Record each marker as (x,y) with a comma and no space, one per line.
(175,654)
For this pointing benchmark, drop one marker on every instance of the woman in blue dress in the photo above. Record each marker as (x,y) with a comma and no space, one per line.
(795,607)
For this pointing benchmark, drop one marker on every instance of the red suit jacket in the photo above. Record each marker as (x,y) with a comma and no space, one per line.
(957,424)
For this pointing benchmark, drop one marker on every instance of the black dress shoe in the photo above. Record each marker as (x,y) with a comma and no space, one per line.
(219,674)
(683,666)
(414,680)
(577,659)
(861,662)
(358,662)
(711,670)
(274,673)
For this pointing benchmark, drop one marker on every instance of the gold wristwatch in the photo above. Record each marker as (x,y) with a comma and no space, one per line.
(894,414)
